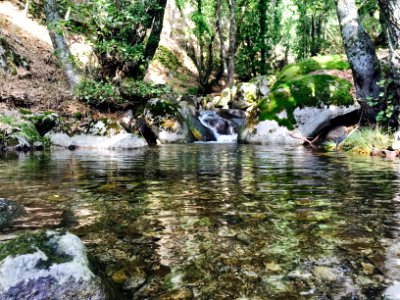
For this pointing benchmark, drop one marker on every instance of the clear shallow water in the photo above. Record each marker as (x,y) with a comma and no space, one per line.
(219,221)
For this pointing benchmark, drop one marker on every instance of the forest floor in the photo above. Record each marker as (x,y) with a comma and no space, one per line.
(41,86)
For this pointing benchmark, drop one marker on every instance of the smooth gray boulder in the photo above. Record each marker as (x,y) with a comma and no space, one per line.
(309,120)
(48,265)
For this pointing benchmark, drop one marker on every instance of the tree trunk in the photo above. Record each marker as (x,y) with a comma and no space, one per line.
(391,13)
(59,44)
(223,67)
(232,42)
(360,53)
(262,10)
(156,28)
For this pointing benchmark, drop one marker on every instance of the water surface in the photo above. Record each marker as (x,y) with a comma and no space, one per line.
(219,221)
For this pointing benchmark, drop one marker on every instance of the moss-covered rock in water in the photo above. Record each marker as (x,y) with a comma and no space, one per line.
(328,62)
(8,212)
(247,93)
(19,132)
(166,122)
(175,122)
(304,91)
(48,265)
(44,121)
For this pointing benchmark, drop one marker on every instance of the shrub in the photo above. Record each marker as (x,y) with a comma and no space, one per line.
(115,95)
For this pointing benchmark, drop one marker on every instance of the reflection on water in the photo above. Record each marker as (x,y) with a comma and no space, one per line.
(213,221)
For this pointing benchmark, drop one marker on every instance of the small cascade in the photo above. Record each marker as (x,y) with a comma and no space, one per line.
(225,131)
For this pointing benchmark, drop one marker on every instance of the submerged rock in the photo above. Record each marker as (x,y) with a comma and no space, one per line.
(49,265)
(8,212)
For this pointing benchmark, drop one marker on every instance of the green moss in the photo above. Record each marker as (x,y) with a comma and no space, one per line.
(308,90)
(29,243)
(167,58)
(25,128)
(29,132)
(24,111)
(329,62)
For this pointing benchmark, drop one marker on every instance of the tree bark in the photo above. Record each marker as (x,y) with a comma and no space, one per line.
(360,53)
(223,67)
(59,43)
(232,42)
(262,10)
(156,28)
(391,13)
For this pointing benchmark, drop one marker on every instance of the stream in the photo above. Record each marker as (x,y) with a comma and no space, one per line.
(219,221)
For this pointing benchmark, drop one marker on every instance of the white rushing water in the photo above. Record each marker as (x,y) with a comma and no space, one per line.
(221,128)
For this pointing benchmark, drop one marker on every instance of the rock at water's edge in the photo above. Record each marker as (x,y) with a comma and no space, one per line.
(50,265)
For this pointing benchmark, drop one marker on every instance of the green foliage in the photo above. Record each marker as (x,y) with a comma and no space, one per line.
(259,32)
(98,93)
(133,90)
(365,139)
(163,107)
(386,102)
(314,16)
(106,94)
(119,32)
(307,90)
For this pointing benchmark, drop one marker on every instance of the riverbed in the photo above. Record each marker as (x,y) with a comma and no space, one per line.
(218,221)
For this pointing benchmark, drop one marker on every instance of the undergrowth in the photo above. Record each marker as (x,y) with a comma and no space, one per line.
(366,139)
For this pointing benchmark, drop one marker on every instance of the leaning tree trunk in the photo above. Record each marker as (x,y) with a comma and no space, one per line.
(391,13)
(59,44)
(360,53)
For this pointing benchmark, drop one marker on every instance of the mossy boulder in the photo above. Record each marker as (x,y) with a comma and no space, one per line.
(240,96)
(304,91)
(300,99)
(247,93)
(19,132)
(47,265)
(328,62)
(173,122)
(162,116)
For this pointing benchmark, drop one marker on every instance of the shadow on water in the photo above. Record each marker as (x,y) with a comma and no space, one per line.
(218,221)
